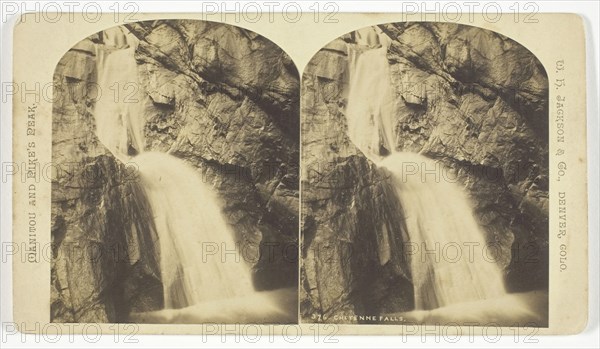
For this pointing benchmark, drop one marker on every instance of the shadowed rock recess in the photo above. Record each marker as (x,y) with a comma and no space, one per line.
(471,98)
(222,98)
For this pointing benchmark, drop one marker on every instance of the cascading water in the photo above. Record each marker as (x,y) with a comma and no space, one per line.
(437,211)
(370,101)
(186,211)
(439,217)
(119,124)
(193,234)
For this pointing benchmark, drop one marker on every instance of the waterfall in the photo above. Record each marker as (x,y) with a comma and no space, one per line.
(119,123)
(370,101)
(199,260)
(437,211)
(198,257)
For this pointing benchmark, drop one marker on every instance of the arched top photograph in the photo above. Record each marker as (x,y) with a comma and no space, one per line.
(183,141)
(425,145)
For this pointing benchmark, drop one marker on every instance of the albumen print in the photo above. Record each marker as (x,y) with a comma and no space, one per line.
(425,178)
(180,202)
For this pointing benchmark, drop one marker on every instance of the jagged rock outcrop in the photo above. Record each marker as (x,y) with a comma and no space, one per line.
(220,97)
(471,98)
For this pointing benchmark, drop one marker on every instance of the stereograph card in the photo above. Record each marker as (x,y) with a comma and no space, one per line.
(382,174)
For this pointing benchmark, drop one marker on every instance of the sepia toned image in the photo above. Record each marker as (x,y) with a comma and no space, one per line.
(299,179)
(425,179)
(176,195)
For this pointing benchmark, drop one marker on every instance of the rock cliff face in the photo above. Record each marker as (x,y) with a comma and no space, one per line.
(471,98)
(222,98)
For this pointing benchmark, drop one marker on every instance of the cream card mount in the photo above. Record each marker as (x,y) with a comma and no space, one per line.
(374,175)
